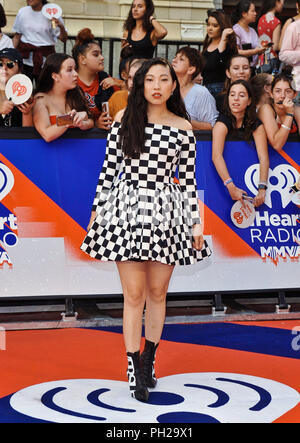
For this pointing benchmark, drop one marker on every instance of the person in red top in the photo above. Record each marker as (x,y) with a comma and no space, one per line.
(96,84)
(268,29)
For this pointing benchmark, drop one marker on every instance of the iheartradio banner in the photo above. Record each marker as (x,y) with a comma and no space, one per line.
(46,194)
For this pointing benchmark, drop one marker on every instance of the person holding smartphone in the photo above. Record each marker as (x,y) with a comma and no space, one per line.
(269,29)
(60,103)
(247,39)
(96,84)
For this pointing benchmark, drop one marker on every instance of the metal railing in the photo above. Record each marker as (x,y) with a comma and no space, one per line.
(111,48)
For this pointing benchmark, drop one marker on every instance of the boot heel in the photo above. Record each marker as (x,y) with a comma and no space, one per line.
(138,389)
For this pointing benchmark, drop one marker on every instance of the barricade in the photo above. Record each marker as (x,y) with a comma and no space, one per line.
(46,194)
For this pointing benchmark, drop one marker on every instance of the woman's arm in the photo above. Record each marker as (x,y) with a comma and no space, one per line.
(297,117)
(277,136)
(288,22)
(250,52)
(159,32)
(261,143)
(276,38)
(188,186)
(42,122)
(224,39)
(219,134)
(16,39)
(63,36)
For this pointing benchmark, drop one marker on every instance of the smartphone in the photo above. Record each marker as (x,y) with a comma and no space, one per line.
(270,44)
(62,120)
(105,107)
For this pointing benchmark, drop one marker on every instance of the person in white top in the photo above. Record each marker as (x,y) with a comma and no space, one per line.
(5,41)
(35,37)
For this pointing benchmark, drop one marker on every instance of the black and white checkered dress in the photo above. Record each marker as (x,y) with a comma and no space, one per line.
(141,213)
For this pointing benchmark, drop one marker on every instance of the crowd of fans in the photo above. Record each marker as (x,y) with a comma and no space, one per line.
(240,82)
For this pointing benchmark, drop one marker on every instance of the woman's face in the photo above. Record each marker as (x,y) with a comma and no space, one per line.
(158,85)
(138,9)
(67,76)
(279,5)
(238,99)
(239,69)
(8,68)
(250,15)
(35,3)
(93,58)
(281,91)
(213,28)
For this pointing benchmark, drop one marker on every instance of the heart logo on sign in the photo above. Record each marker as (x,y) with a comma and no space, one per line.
(239,217)
(51,11)
(20,89)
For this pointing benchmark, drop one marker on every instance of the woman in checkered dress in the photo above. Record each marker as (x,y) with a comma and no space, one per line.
(141,219)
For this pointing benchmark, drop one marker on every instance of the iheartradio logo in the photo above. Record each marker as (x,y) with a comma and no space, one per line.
(18,89)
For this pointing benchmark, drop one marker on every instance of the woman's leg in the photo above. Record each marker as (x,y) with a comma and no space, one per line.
(158,276)
(133,280)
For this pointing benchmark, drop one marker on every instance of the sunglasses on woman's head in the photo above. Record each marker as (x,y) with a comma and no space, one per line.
(9,65)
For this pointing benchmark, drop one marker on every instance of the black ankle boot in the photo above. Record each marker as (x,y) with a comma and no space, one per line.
(147,363)
(135,376)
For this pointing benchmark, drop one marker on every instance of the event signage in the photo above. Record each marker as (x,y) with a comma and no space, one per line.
(46,195)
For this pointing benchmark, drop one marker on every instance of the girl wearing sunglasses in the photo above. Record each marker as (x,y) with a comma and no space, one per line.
(11,115)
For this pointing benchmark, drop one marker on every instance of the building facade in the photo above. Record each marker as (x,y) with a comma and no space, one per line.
(185,20)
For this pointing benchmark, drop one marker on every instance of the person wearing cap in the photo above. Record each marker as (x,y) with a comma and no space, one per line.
(35,38)
(10,115)
(5,41)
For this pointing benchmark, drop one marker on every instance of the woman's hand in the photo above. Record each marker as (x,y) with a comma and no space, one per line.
(198,239)
(78,118)
(104,121)
(92,219)
(260,49)
(26,108)
(226,32)
(236,193)
(288,105)
(259,199)
(6,107)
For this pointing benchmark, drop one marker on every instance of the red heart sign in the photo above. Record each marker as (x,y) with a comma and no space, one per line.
(51,11)
(17,87)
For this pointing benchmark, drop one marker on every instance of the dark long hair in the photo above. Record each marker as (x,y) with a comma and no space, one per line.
(250,113)
(242,6)
(130,22)
(224,22)
(266,6)
(3,20)
(74,98)
(135,118)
